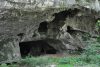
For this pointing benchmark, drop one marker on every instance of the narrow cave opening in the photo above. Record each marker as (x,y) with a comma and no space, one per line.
(20,35)
(36,48)
(70,29)
(43,27)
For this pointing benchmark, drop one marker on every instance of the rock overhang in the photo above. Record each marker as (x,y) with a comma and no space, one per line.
(20,26)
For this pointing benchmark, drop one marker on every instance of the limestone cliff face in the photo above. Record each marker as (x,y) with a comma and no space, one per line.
(60,23)
(30,4)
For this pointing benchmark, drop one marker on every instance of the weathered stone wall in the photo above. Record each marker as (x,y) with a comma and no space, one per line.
(18,26)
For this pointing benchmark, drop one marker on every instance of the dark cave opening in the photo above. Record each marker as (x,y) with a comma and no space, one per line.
(43,27)
(70,29)
(64,14)
(60,17)
(36,48)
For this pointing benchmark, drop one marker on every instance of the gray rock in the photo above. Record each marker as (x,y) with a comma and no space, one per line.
(25,21)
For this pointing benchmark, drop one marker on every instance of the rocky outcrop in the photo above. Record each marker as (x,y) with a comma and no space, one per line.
(31,20)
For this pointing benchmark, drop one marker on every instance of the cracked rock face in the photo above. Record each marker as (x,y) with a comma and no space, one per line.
(37,32)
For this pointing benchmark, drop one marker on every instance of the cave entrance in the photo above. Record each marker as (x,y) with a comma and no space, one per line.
(43,27)
(36,48)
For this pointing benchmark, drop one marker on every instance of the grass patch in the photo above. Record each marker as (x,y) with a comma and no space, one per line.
(65,65)
(46,61)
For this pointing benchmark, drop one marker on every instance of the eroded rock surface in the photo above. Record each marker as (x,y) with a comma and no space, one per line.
(60,28)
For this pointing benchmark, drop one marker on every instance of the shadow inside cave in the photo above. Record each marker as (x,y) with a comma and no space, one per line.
(36,48)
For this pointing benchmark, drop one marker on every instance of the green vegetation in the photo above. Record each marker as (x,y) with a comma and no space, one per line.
(3,65)
(98,25)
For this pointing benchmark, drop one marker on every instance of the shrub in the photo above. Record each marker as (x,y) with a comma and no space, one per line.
(3,65)
(92,53)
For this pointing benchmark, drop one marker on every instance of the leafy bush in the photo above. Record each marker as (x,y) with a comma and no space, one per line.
(92,53)
(98,25)
(3,65)
(98,39)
